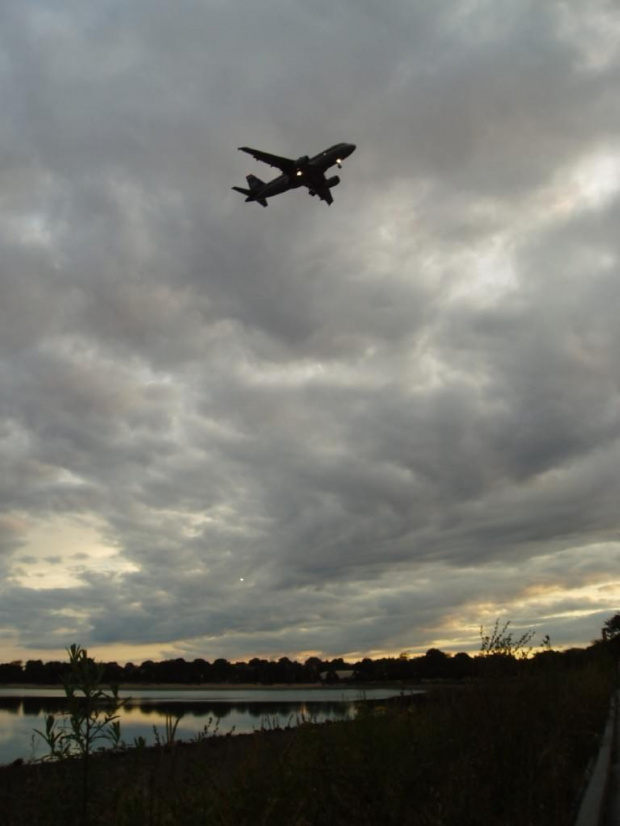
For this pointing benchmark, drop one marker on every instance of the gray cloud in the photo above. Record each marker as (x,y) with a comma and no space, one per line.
(353,429)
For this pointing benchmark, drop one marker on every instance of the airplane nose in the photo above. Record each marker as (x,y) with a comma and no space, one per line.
(351,148)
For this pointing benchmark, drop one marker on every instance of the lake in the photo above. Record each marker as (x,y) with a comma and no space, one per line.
(227,710)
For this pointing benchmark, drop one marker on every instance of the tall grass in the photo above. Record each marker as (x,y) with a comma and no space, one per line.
(503,752)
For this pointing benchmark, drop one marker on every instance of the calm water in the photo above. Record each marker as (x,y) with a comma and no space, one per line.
(244,710)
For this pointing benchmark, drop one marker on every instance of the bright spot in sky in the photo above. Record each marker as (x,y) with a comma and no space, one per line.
(240,579)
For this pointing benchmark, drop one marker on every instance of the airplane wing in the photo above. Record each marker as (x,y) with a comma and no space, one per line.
(285,165)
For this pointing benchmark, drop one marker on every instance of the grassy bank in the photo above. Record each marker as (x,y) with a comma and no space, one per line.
(501,751)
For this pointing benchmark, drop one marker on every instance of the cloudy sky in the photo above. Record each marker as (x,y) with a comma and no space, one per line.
(347,430)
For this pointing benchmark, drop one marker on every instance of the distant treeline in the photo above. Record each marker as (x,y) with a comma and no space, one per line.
(433,665)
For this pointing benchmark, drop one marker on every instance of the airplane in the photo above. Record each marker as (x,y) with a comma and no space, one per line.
(304,171)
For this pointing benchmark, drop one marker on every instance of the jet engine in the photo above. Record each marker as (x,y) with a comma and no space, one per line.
(332,181)
(300,165)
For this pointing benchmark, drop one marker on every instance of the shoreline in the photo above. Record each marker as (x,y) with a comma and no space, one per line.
(215,686)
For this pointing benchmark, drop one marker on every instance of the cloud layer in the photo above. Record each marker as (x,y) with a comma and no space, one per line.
(228,431)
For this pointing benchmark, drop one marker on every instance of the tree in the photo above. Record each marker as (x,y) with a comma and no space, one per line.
(11,672)
(611,628)
(34,672)
(611,635)
(435,663)
(502,642)
(313,667)
(462,665)
(223,671)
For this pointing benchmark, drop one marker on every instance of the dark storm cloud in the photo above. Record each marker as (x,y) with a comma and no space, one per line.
(305,428)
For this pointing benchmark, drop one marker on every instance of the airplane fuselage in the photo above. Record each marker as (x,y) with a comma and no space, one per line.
(305,171)
(309,169)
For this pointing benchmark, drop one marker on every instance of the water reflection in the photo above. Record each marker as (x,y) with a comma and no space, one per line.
(144,715)
(10,704)
(37,706)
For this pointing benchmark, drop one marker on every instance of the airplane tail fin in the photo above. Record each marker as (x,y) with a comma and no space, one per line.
(255,185)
